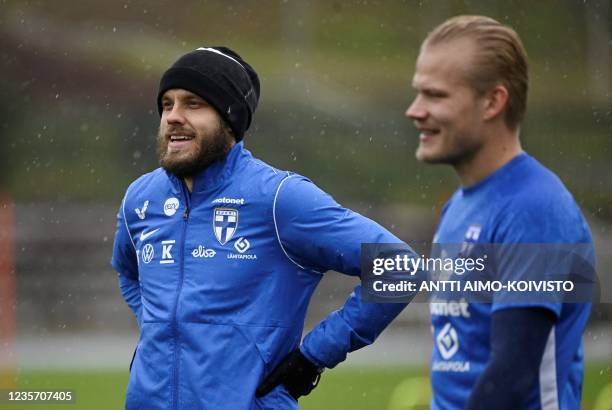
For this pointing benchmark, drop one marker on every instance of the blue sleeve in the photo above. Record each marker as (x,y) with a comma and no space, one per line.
(541,241)
(518,339)
(125,262)
(318,234)
(353,326)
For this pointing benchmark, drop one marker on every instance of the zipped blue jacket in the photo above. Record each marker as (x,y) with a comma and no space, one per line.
(220,280)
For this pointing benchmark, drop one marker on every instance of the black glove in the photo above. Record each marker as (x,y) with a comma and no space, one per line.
(296,372)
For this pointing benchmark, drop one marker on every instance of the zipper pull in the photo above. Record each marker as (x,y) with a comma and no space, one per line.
(186,213)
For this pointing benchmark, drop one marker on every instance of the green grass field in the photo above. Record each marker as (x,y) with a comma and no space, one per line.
(349,388)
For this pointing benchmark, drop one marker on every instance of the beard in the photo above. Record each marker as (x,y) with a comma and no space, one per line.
(208,148)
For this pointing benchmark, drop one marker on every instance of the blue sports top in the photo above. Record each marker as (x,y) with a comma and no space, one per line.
(521,203)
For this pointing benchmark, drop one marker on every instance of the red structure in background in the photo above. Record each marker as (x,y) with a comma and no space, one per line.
(7,293)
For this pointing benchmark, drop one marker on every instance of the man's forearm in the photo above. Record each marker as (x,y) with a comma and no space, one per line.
(355,325)
(518,340)
(352,327)
(130,289)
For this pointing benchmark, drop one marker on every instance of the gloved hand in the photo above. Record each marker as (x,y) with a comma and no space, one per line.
(295,372)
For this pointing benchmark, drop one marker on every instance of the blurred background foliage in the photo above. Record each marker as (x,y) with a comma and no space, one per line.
(79,81)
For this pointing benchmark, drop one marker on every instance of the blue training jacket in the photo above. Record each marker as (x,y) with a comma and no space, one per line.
(220,279)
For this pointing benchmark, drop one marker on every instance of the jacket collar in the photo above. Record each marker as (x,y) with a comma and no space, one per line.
(219,171)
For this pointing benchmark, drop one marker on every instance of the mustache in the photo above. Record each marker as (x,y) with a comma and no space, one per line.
(176,131)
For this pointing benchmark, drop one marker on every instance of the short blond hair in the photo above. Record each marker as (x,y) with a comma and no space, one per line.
(500,58)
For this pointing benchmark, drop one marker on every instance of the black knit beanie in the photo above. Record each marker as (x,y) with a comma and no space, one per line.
(222,78)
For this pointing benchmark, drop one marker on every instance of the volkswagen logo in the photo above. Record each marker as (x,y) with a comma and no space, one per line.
(147,253)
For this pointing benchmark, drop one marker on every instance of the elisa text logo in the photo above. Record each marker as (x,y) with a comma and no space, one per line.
(202,252)
(170,206)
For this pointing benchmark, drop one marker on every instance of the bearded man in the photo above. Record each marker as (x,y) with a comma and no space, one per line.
(218,255)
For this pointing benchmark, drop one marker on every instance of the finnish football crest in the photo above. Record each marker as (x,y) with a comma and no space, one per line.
(225,224)
(470,239)
(473,233)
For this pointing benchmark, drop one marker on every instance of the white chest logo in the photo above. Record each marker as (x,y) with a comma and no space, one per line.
(471,238)
(225,224)
(167,257)
(447,341)
(242,245)
(473,233)
(144,235)
(141,212)
(147,253)
(170,206)
(202,252)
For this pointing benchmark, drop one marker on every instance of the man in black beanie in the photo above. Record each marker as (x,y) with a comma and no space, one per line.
(216,77)
(219,253)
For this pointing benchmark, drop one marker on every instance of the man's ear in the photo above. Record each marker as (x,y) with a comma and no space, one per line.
(228,130)
(495,102)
